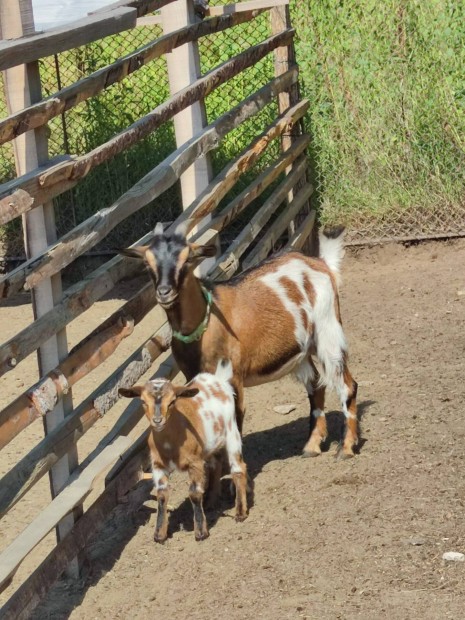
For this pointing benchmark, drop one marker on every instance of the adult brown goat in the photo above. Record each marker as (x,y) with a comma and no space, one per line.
(268,321)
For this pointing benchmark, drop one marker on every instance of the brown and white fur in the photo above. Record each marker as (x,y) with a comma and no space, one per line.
(269,321)
(189,426)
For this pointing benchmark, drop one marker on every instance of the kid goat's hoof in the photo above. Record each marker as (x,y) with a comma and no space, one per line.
(201,536)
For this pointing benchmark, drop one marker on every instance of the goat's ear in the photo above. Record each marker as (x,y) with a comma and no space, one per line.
(136,252)
(186,392)
(134,392)
(201,251)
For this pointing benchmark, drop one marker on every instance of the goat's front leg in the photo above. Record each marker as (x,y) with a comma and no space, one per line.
(197,488)
(318,428)
(160,482)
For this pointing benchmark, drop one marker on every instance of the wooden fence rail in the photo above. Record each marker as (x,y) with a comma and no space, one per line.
(40,113)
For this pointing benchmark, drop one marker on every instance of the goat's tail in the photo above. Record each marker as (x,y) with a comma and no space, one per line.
(224,370)
(332,248)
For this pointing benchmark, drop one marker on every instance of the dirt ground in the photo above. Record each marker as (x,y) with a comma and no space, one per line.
(325,538)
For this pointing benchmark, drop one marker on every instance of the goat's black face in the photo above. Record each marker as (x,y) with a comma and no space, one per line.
(169,258)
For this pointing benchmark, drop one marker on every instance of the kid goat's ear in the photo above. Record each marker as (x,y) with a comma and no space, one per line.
(136,252)
(133,392)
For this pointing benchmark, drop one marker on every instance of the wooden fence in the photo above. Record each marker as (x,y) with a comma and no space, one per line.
(284,219)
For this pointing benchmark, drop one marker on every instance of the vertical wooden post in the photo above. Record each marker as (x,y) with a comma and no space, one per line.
(183,69)
(284,58)
(23,88)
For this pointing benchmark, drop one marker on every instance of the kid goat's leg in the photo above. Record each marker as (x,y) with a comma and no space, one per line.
(238,471)
(196,491)
(318,429)
(160,481)
(347,389)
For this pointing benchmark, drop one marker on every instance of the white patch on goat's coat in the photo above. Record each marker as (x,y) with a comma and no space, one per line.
(158,475)
(324,330)
(294,270)
(219,410)
(318,413)
(167,445)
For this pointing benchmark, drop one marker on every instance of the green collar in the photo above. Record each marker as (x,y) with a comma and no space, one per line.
(199,331)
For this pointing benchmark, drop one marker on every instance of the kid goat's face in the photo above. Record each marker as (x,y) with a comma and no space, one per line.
(169,258)
(158,398)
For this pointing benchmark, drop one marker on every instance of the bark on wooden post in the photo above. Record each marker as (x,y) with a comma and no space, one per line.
(284,58)
(183,69)
(22,88)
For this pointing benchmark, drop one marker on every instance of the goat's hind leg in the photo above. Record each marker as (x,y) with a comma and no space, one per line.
(347,390)
(316,395)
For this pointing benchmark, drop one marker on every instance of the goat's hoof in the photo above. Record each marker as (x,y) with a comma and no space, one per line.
(159,539)
(240,518)
(345,455)
(201,536)
(311,453)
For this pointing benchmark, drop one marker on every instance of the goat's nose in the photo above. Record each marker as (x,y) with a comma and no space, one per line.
(164,289)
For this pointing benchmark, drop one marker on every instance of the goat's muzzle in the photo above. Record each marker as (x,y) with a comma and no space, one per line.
(166,296)
(158,425)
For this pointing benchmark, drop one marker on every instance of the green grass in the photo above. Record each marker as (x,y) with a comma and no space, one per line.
(387,103)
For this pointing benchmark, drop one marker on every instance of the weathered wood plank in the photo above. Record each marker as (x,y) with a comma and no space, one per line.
(302,233)
(37,115)
(42,397)
(91,231)
(142,6)
(33,590)
(27,49)
(72,495)
(268,242)
(46,185)
(237,7)
(264,179)
(18,203)
(228,263)
(184,69)
(18,480)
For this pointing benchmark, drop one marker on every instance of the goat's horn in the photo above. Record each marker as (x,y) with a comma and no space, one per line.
(182,228)
(158,229)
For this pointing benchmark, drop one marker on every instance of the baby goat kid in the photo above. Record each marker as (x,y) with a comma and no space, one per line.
(189,426)
(269,321)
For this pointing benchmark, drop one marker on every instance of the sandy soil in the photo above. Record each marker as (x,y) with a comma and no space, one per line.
(325,538)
